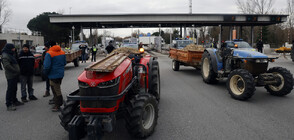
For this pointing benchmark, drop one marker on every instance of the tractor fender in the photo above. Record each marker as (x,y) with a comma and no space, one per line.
(213,59)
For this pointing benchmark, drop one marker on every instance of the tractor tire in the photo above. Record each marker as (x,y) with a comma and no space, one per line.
(240,84)
(76,62)
(155,80)
(208,75)
(141,117)
(69,110)
(176,65)
(287,82)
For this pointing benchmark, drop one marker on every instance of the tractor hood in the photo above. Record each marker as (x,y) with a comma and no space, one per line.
(249,53)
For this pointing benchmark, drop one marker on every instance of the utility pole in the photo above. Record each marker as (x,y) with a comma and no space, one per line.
(190,6)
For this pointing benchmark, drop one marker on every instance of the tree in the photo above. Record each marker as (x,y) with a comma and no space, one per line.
(290,19)
(5,13)
(255,6)
(50,31)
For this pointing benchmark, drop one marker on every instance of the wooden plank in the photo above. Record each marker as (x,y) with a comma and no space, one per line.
(108,64)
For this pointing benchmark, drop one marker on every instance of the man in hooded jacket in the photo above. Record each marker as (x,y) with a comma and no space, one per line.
(54,63)
(12,72)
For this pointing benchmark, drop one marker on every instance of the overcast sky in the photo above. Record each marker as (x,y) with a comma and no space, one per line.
(24,10)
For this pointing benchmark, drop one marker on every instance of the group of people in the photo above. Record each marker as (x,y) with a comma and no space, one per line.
(21,68)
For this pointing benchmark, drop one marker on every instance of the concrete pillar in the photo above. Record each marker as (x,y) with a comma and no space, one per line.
(240,32)
(181,32)
(185,31)
(252,36)
(220,36)
(91,37)
(81,34)
(230,30)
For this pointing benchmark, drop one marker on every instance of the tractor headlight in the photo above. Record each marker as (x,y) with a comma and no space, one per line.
(109,83)
(83,85)
(261,60)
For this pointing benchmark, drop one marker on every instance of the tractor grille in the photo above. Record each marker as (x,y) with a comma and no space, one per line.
(256,68)
(96,91)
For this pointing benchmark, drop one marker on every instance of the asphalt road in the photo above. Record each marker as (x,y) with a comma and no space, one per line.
(189,109)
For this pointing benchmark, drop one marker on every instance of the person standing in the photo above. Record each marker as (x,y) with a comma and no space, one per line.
(12,72)
(54,63)
(140,46)
(47,92)
(259,45)
(109,48)
(94,52)
(26,61)
(83,48)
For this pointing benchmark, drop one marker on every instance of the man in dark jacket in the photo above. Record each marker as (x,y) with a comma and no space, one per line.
(84,50)
(259,45)
(12,72)
(109,48)
(26,61)
(54,63)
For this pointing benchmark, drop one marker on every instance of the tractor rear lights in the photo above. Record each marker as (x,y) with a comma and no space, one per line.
(141,50)
(109,83)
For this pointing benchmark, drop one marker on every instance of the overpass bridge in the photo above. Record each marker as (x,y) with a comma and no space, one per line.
(98,21)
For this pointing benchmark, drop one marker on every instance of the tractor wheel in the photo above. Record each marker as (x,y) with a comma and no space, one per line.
(155,80)
(286,85)
(142,115)
(76,62)
(176,65)
(208,75)
(69,110)
(240,84)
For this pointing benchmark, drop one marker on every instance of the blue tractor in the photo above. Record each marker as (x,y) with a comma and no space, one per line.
(245,69)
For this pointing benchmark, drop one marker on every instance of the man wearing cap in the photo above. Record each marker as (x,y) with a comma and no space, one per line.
(12,72)
(26,61)
(54,63)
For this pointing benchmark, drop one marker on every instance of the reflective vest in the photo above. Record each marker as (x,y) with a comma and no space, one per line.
(94,49)
(67,48)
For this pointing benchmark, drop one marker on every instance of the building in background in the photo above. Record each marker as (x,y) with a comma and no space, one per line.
(18,39)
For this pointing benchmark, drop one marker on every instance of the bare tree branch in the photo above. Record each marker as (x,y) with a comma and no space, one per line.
(5,12)
(255,6)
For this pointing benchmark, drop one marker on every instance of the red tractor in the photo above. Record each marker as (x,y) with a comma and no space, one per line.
(119,86)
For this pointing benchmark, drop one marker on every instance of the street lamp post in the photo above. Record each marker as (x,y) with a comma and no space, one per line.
(193,33)
(132,31)
(159,29)
(73,34)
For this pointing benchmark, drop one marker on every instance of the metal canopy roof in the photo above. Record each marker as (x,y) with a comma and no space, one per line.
(165,20)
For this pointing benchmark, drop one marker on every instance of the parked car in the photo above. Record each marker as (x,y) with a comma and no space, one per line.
(40,49)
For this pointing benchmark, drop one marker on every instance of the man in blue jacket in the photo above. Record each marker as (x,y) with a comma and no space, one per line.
(54,63)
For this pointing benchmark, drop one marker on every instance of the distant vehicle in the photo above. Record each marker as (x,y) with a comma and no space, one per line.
(76,46)
(40,49)
(130,45)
